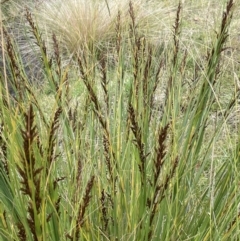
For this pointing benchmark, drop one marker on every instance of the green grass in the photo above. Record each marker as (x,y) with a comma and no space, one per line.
(123,137)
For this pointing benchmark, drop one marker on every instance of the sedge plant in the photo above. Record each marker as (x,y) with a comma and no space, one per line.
(133,158)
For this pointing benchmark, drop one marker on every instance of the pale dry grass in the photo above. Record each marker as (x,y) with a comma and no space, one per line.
(82,23)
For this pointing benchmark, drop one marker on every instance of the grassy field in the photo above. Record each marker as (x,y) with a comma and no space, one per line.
(119,121)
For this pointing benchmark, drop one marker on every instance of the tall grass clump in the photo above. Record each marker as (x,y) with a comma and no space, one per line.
(79,25)
(132,157)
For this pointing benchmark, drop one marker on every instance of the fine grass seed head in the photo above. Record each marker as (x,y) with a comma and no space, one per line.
(84,23)
(93,27)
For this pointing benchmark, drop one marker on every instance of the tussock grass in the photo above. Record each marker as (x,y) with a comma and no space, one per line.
(136,156)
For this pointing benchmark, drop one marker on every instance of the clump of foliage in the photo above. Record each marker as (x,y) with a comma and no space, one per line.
(133,159)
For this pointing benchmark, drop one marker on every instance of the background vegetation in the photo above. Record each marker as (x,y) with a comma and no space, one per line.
(119,121)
